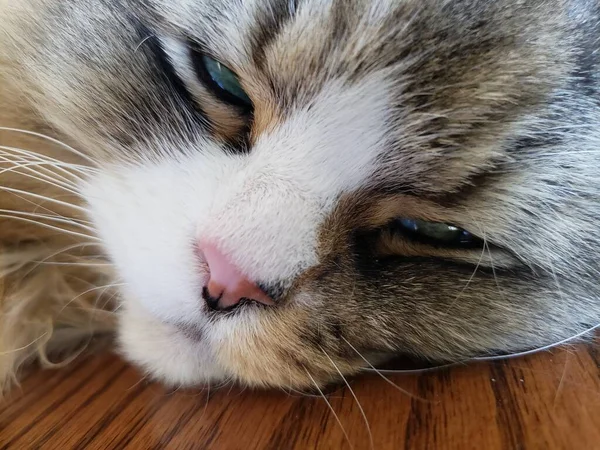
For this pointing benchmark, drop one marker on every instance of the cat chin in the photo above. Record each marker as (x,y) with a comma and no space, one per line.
(164,351)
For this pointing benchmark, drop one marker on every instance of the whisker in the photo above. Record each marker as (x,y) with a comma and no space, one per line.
(415,372)
(59,263)
(496,357)
(231,386)
(81,168)
(48,160)
(142,42)
(45,198)
(561,382)
(539,349)
(62,250)
(99,297)
(24,347)
(290,389)
(51,139)
(52,212)
(49,217)
(362,411)
(379,372)
(50,227)
(337,419)
(224,383)
(207,399)
(470,278)
(41,160)
(95,288)
(44,178)
(486,246)
(140,381)
(109,300)
(48,174)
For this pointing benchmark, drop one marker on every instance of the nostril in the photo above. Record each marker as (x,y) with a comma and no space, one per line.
(227,286)
(227,302)
(211,301)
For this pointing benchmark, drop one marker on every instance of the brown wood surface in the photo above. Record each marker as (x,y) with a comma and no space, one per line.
(543,401)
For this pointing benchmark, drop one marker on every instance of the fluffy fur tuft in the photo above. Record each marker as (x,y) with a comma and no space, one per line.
(55,291)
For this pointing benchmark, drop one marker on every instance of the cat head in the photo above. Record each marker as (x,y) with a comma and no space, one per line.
(291,191)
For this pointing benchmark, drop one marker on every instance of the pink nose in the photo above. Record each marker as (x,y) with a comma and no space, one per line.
(227,286)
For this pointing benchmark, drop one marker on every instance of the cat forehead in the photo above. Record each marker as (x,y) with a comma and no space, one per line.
(306,37)
(245,17)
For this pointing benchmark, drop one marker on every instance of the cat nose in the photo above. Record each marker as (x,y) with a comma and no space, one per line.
(227,286)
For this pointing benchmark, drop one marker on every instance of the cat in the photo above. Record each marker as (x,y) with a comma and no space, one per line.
(286,192)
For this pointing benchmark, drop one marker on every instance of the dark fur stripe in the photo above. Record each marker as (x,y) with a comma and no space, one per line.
(270,20)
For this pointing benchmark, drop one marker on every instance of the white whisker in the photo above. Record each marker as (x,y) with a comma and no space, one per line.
(59,263)
(49,217)
(48,160)
(498,357)
(95,288)
(44,178)
(337,419)
(50,227)
(142,42)
(362,411)
(43,166)
(50,139)
(290,389)
(62,250)
(43,160)
(39,206)
(470,278)
(562,380)
(415,371)
(29,156)
(539,349)
(45,198)
(15,350)
(378,371)
(486,246)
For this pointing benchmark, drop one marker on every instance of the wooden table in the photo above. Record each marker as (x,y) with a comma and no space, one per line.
(543,401)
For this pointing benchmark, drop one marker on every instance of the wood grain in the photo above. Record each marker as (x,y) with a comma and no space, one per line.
(544,401)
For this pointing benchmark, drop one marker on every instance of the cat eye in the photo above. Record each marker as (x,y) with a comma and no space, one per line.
(436,233)
(221,80)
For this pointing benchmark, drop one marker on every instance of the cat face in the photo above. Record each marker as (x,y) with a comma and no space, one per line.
(294,190)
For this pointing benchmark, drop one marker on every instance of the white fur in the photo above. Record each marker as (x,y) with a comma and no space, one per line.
(263,209)
(164,351)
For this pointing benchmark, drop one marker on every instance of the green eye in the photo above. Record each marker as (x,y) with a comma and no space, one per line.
(221,80)
(436,233)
